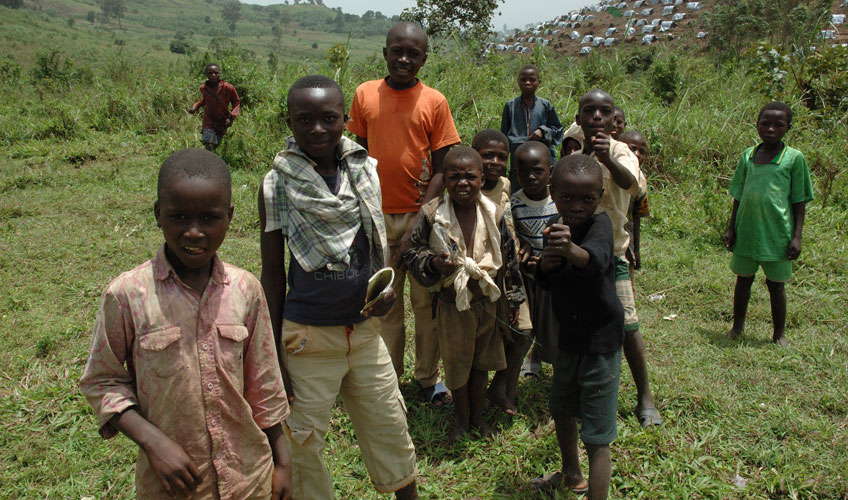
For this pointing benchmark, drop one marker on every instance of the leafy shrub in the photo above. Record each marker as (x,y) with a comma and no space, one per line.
(91,16)
(54,66)
(12,4)
(10,71)
(664,79)
(181,47)
(639,60)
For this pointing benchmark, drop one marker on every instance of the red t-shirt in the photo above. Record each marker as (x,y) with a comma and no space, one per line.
(402,127)
(216,101)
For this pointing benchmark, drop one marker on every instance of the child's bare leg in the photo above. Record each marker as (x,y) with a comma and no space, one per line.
(503,387)
(777,296)
(566,432)
(461,405)
(741,296)
(600,470)
(477,400)
(408,492)
(634,351)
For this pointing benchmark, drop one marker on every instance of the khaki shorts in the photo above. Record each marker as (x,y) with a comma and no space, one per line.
(468,340)
(624,290)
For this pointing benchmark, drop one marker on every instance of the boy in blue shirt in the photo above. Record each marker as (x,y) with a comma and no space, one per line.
(770,189)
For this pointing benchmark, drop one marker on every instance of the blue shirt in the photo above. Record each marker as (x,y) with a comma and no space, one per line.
(519,121)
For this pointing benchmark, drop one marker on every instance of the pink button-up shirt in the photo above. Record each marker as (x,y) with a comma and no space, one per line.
(201,368)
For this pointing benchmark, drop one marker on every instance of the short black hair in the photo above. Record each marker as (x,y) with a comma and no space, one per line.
(618,108)
(314,82)
(631,133)
(487,135)
(209,66)
(529,66)
(408,28)
(537,146)
(577,165)
(594,91)
(193,162)
(777,106)
(464,153)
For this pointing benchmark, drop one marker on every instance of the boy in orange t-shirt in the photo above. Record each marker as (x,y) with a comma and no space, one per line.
(407,126)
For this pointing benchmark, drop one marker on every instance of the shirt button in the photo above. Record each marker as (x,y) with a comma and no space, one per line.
(219,455)
(214,422)
(209,385)
(205,346)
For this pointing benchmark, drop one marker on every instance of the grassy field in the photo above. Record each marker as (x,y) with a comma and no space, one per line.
(82,139)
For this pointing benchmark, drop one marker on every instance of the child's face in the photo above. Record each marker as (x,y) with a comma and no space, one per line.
(405,52)
(495,155)
(534,173)
(595,114)
(317,119)
(569,146)
(463,180)
(638,146)
(213,74)
(618,123)
(528,81)
(772,126)
(194,215)
(577,196)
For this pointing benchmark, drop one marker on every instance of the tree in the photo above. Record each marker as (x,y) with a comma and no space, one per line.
(12,4)
(231,13)
(470,18)
(277,33)
(113,8)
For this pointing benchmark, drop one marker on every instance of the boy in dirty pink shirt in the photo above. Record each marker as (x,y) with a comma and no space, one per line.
(183,359)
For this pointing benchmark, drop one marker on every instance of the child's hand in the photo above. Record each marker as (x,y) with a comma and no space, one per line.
(531,264)
(601,147)
(559,239)
(228,122)
(281,483)
(382,306)
(794,249)
(174,468)
(637,261)
(192,110)
(537,135)
(443,265)
(730,238)
(513,316)
(549,260)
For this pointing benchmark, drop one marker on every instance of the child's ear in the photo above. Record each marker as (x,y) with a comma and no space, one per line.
(230,213)
(156,212)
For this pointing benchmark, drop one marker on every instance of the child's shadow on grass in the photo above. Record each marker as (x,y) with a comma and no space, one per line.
(720,338)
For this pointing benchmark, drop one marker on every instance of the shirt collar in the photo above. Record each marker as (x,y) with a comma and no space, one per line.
(162,269)
(777,158)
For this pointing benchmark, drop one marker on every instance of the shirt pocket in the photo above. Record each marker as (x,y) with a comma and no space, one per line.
(160,352)
(231,347)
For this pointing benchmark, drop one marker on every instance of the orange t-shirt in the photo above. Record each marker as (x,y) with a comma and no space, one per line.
(402,127)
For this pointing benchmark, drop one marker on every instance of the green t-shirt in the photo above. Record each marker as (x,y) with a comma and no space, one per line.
(766,193)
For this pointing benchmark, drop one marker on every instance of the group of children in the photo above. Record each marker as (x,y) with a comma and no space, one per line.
(229,394)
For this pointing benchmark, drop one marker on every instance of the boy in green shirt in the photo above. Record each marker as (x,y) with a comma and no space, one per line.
(770,190)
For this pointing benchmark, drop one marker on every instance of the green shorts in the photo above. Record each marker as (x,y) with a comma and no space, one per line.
(624,290)
(585,386)
(777,271)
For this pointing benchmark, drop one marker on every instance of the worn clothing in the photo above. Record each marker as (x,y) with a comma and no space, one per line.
(590,316)
(778,271)
(530,218)
(320,225)
(393,328)
(324,362)
(403,128)
(765,221)
(469,340)
(210,137)
(201,368)
(518,121)
(626,295)
(585,386)
(500,196)
(216,102)
(545,330)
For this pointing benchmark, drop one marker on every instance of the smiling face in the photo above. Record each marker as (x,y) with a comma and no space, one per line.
(495,155)
(595,114)
(636,142)
(317,119)
(528,81)
(618,122)
(772,126)
(534,172)
(405,52)
(194,214)
(577,196)
(463,180)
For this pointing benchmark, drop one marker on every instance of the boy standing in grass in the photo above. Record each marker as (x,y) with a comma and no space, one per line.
(408,128)
(216,97)
(529,118)
(493,148)
(182,359)
(461,247)
(640,207)
(622,180)
(578,268)
(770,189)
(322,197)
(532,207)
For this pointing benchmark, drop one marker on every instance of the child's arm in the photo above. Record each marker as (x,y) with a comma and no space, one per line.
(272,249)
(281,483)
(730,235)
(424,264)
(437,181)
(600,144)
(199,104)
(236,104)
(559,243)
(514,283)
(172,465)
(637,223)
(799,211)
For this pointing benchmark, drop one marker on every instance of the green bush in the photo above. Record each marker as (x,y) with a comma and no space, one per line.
(664,79)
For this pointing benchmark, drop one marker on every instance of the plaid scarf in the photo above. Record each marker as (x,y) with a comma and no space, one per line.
(320,227)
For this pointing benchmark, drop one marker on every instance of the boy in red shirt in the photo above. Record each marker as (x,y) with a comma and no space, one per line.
(217,96)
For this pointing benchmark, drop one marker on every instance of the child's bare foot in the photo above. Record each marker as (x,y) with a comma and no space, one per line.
(500,400)
(781,341)
(457,432)
(485,430)
(734,334)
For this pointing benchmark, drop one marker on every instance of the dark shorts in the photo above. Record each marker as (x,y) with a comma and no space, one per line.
(210,137)
(585,386)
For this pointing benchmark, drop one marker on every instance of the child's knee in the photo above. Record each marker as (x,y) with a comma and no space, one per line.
(775,286)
